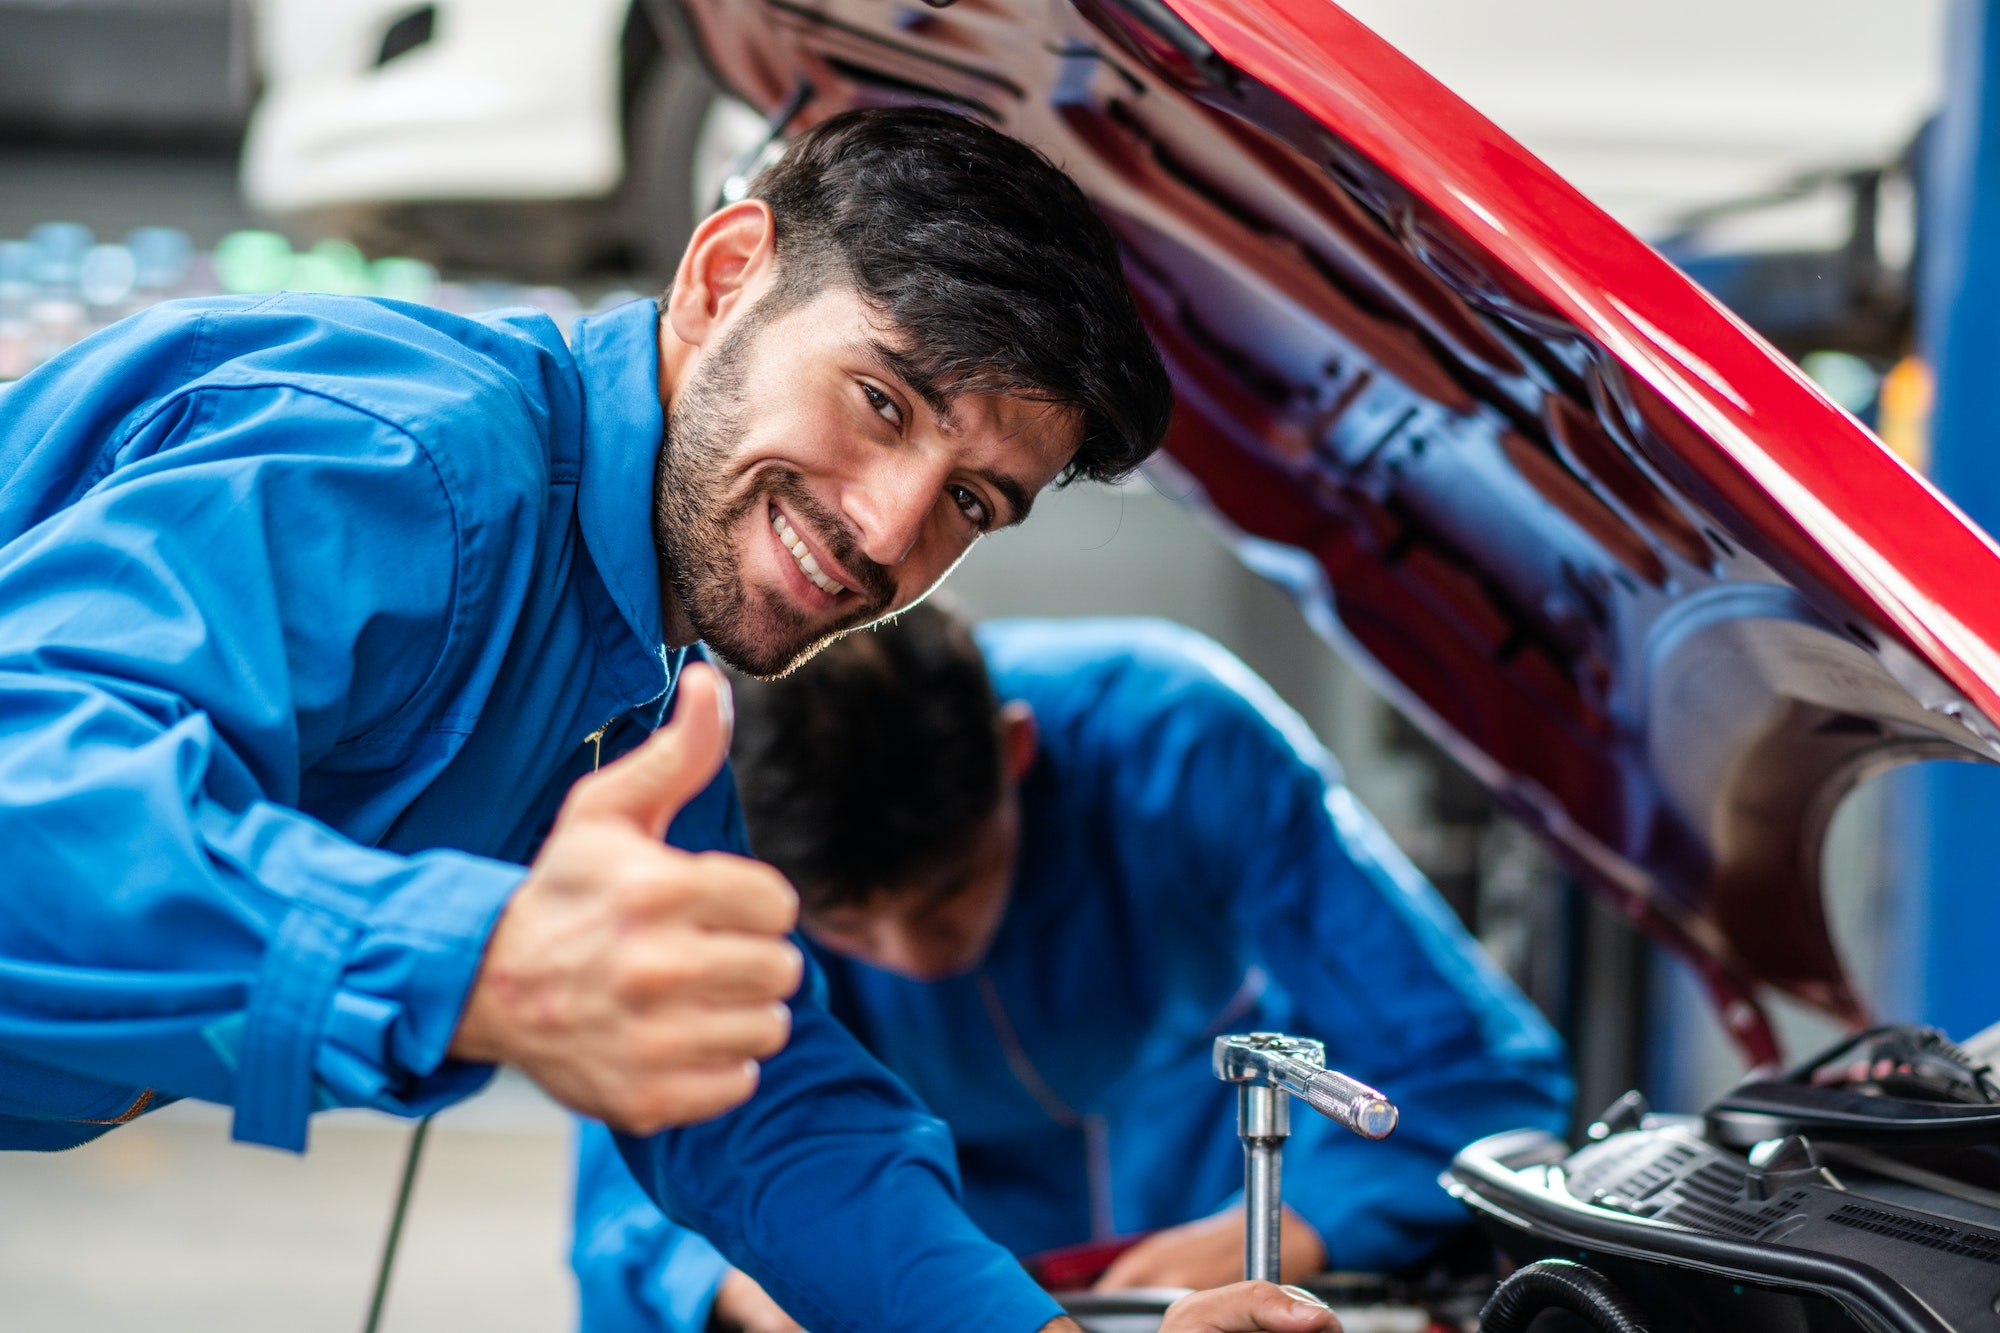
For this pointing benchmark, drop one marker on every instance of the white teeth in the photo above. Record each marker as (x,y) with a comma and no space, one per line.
(807,565)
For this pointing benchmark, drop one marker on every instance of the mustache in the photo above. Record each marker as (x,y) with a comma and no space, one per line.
(874,581)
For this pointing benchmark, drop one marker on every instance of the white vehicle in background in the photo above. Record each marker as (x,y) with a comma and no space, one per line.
(520,137)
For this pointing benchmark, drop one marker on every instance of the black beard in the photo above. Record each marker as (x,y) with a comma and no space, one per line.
(697,509)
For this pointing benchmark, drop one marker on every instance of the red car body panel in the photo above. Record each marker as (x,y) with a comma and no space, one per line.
(1621,557)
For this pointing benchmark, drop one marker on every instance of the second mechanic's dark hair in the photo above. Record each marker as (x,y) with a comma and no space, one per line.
(986,257)
(869,764)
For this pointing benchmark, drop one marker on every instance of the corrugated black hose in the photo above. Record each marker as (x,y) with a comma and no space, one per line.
(1558,1284)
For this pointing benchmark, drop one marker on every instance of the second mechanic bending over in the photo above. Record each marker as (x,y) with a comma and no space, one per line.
(1044,870)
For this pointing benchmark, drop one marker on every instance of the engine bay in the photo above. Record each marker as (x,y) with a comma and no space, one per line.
(1862,1187)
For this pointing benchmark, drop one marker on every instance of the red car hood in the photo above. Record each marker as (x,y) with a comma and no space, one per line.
(1626,562)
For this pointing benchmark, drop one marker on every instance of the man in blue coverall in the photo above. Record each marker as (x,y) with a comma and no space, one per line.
(1042,873)
(317,615)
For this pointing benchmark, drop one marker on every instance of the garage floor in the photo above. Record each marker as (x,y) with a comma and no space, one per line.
(168,1226)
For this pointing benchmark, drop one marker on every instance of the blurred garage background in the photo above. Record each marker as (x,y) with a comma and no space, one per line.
(474,153)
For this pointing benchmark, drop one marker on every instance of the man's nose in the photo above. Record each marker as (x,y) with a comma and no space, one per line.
(890,504)
(904,951)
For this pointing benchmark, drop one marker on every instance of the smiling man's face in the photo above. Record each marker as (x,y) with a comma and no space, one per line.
(806,489)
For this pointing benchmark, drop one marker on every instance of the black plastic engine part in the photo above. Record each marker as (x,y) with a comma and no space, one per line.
(1914,1063)
(1887,1086)
(1558,1284)
(1628,1113)
(1702,1239)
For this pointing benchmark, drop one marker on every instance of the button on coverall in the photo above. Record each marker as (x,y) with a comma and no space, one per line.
(307,606)
(1190,865)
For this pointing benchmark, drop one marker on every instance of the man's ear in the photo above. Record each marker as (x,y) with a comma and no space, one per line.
(1020,738)
(729,261)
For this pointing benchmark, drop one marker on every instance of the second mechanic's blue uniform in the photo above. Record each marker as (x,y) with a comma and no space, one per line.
(1191,865)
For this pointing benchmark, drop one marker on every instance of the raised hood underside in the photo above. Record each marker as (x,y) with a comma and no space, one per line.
(1607,546)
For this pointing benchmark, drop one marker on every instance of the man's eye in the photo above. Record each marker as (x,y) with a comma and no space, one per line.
(971,506)
(884,405)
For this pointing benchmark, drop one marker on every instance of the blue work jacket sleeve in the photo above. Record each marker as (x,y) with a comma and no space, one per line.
(255,577)
(1238,806)
(838,1193)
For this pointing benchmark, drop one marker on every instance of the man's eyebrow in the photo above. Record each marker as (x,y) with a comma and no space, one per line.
(1016,495)
(915,377)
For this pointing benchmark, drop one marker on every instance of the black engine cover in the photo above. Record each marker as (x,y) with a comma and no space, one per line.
(1861,1206)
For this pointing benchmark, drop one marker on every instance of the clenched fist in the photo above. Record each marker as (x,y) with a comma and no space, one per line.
(636,983)
(1208,1252)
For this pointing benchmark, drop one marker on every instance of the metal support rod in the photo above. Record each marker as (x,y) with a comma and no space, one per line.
(1263,1120)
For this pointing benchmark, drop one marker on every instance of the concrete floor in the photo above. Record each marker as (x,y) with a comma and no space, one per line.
(166,1225)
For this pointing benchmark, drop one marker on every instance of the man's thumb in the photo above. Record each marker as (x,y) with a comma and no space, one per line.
(651,784)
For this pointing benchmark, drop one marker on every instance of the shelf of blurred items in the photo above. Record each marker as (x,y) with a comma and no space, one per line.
(61,284)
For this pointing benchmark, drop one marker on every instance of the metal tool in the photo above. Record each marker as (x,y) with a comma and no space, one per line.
(1265,1066)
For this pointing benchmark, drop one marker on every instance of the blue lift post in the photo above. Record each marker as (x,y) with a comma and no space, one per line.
(1943,966)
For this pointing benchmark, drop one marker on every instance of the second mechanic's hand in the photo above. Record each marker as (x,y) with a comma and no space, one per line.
(741,1304)
(1208,1252)
(636,983)
(1250,1307)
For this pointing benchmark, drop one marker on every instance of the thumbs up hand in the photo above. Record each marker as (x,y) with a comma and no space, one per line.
(636,983)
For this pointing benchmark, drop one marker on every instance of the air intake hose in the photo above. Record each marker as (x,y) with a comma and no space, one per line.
(1558,1284)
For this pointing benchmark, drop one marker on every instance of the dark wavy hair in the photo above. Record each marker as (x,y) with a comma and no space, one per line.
(868,765)
(987,262)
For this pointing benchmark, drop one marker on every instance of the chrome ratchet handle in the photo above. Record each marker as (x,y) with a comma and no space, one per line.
(1298,1065)
(1350,1102)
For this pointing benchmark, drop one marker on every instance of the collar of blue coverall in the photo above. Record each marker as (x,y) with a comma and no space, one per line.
(617,357)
